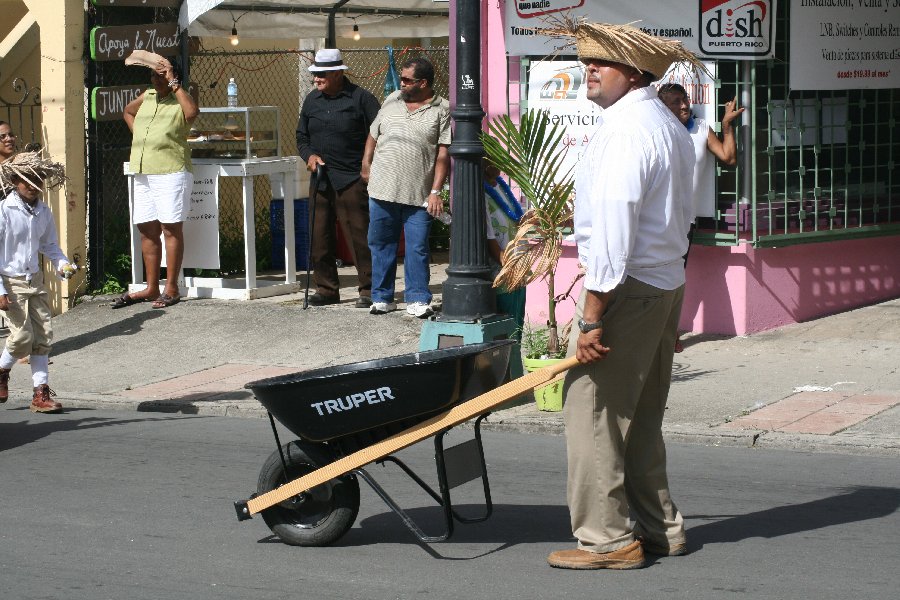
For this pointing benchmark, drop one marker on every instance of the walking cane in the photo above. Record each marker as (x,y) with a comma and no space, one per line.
(314,189)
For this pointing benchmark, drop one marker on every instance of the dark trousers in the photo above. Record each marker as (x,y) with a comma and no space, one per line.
(350,208)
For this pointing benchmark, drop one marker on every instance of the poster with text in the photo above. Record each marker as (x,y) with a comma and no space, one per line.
(844,44)
(733,29)
(559,88)
(201,228)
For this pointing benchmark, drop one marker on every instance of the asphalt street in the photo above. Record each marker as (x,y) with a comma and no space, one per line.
(111,504)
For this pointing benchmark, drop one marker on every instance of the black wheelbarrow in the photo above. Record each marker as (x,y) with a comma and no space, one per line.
(352,415)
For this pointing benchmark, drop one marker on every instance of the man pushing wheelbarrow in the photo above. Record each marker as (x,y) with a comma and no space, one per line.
(632,212)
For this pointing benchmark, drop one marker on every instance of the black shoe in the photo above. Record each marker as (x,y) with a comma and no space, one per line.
(318,299)
(363,302)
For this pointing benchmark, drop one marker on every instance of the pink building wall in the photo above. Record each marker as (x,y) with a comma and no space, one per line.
(739,290)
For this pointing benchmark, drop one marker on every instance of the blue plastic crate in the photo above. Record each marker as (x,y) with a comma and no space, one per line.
(301,232)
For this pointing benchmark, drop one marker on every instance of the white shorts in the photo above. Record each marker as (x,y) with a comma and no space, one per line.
(164,198)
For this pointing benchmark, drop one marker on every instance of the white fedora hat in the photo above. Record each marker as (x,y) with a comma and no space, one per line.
(328,59)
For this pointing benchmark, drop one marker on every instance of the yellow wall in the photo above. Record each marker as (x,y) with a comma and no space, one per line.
(61,25)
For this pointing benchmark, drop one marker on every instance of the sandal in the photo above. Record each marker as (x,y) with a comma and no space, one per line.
(165,301)
(126,300)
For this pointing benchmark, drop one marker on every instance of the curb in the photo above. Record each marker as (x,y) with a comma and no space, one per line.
(523,419)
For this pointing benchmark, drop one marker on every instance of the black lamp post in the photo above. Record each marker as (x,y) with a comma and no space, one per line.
(467,292)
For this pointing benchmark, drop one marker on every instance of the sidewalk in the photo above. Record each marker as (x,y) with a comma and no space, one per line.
(832,384)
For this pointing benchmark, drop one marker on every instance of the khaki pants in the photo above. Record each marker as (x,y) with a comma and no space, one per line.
(28,316)
(613,415)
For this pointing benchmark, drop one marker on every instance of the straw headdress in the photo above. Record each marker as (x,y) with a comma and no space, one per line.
(624,44)
(31,168)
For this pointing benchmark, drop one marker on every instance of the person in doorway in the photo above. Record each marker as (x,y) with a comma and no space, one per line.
(633,208)
(26,230)
(7,150)
(706,146)
(503,215)
(406,162)
(160,120)
(332,131)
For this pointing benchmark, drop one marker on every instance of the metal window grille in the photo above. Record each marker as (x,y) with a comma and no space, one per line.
(822,163)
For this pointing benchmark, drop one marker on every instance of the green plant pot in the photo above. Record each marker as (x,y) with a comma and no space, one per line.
(548,398)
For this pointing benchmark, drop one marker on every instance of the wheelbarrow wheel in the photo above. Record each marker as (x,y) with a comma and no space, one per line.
(319,516)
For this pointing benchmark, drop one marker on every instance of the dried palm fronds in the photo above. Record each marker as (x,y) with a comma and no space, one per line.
(31,168)
(530,255)
(532,154)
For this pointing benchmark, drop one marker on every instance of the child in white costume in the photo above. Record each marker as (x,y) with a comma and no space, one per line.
(26,229)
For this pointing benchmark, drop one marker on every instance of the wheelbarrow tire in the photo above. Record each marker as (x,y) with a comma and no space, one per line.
(317,517)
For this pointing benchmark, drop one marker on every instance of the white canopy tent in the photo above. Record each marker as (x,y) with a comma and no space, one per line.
(292,19)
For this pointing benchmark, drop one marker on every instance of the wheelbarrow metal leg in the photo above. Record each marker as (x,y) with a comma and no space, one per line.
(404,516)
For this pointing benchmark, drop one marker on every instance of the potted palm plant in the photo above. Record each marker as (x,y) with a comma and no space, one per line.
(531,154)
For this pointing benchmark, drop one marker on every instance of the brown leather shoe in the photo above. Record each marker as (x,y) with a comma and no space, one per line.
(629,557)
(4,385)
(42,403)
(664,549)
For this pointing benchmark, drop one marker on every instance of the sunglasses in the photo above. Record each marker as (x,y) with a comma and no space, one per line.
(408,81)
(4,136)
(320,74)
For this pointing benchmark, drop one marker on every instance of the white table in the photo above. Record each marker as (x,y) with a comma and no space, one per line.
(282,173)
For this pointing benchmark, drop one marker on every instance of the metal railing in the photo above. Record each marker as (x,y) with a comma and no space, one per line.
(21,108)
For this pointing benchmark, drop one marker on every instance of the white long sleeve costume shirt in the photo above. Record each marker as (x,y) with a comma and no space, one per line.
(25,231)
(633,203)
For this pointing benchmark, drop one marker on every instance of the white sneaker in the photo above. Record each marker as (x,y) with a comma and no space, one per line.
(382,308)
(421,310)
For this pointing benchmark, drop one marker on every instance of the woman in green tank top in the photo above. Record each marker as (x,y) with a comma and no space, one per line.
(160,120)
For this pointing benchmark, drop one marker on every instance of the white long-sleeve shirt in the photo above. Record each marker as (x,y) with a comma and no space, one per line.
(633,202)
(25,231)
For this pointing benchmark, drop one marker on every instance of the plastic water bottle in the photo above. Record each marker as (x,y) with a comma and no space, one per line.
(444,217)
(232,93)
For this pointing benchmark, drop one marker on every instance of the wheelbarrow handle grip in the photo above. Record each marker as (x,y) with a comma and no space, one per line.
(563,366)
(456,415)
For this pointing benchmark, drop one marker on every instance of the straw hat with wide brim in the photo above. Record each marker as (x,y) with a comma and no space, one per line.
(625,44)
(33,169)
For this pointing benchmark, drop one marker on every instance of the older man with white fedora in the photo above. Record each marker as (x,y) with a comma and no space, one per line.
(332,131)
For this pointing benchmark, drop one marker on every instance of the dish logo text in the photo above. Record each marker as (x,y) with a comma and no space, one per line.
(736,27)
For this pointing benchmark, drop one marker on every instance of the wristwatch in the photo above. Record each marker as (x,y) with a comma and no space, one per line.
(586,327)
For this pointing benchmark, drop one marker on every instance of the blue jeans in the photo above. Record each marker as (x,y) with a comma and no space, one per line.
(385,222)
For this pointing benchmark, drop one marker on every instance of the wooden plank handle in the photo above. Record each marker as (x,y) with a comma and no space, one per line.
(456,415)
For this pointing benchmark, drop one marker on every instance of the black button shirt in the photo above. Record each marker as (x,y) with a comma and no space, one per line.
(336,128)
